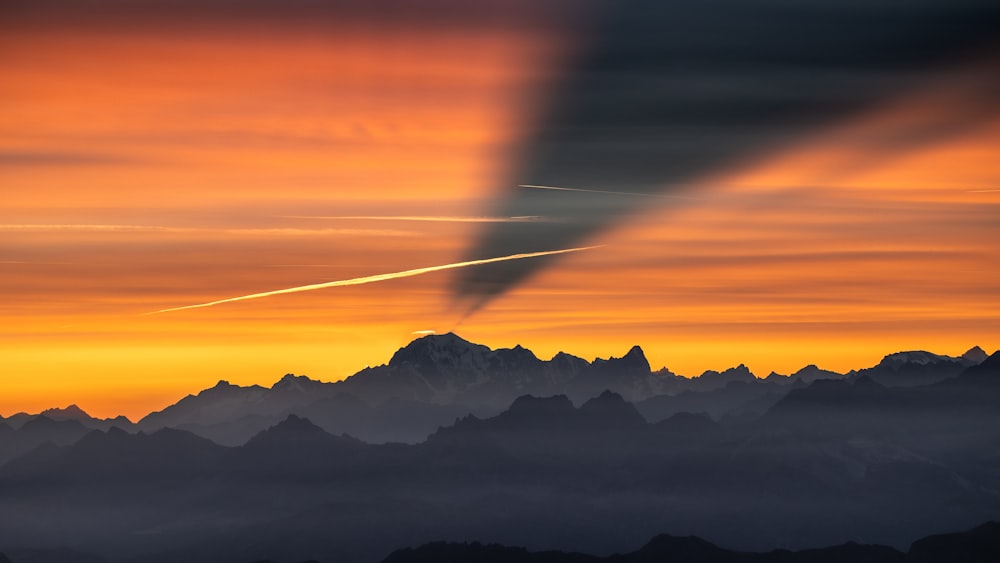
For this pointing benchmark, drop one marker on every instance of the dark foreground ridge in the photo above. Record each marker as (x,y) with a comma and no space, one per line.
(979,545)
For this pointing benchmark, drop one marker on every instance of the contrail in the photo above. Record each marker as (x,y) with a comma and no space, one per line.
(637,194)
(379,277)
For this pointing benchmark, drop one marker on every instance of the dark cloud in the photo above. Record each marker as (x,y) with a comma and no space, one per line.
(666,93)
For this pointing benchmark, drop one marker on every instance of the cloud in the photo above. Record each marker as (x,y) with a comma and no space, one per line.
(90,227)
(666,94)
(67,158)
(423,218)
(260,231)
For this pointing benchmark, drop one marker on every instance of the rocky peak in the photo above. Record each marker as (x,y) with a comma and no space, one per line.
(517,355)
(812,373)
(920,357)
(436,352)
(975,355)
(570,363)
(223,387)
(293,431)
(633,362)
(72,412)
(612,407)
(292,382)
(295,424)
(740,371)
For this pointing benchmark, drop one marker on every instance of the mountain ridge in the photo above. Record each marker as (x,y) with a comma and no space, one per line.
(861,462)
(435,378)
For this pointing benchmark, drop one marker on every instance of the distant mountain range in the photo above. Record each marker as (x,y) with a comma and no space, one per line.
(826,462)
(437,378)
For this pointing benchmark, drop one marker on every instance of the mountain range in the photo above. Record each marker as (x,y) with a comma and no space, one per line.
(794,463)
(437,378)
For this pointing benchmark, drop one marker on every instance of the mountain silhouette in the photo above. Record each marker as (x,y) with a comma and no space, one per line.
(426,385)
(980,545)
(118,455)
(915,368)
(544,428)
(432,380)
(984,375)
(448,369)
(436,378)
(71,413)
(753,465)
(294,446)
(35,432)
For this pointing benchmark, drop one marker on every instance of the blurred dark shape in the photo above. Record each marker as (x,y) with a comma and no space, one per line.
(664,94)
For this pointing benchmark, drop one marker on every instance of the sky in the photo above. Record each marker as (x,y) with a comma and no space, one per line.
(767,185)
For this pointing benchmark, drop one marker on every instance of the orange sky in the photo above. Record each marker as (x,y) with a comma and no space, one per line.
(143,168)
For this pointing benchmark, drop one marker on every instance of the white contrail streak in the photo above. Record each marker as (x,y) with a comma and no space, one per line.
(609,192)
(379,277)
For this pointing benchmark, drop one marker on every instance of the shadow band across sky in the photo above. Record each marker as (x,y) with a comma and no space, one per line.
(663,94)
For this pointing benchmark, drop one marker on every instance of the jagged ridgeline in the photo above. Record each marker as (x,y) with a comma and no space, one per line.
(452,441)
(438,378)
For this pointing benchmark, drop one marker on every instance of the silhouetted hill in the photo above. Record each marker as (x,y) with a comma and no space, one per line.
(118,455)
(35,432)
(689,548)
(806,375)
(711,380)
(915,368)
(74,413)
(538,428)
(296,433)
(861,393)
(738,398)
(984,376)
(611,410)
(294,446)
(223,402)
(443,552)
(979,545)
